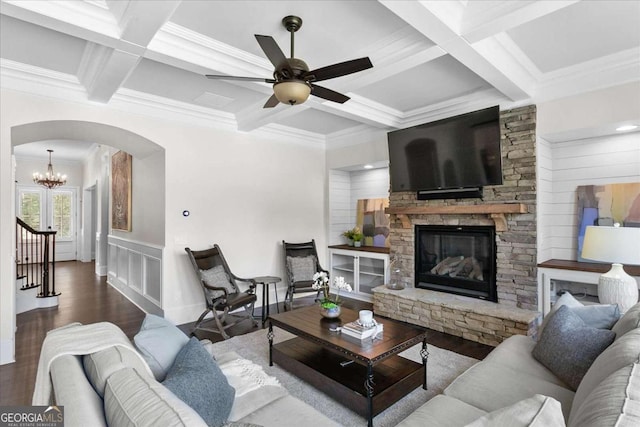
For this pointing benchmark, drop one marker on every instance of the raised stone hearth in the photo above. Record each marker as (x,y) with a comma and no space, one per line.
(469,318)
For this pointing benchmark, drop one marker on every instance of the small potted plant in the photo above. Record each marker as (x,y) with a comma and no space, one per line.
(349,235)
(357,238)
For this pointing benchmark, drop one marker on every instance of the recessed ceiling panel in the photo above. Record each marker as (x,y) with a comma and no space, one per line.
(435,81)
(332,31)
(175,83)
(316,121)
(39,46)
(580,32)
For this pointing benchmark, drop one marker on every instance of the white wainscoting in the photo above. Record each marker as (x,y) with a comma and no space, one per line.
(135,269)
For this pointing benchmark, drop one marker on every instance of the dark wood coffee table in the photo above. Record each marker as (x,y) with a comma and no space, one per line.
(366,375)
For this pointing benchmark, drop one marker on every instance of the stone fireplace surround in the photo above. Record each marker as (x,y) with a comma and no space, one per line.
(512,208)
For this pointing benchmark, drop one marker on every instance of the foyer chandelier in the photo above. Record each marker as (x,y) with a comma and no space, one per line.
(50,180)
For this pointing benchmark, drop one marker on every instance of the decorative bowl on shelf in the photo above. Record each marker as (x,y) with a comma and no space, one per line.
(396,286)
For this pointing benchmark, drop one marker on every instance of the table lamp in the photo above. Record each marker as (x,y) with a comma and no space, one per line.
(618,245)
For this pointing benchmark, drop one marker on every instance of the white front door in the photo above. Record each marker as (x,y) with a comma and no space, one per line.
(45,210)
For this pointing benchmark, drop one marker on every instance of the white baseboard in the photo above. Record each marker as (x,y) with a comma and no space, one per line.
(7,352)
(135,298)
(101,270)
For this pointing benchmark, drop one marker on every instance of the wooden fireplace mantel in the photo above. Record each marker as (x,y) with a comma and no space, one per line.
(496,211)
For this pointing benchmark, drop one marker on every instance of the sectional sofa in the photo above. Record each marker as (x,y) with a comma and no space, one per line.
(119,385)
(510,387)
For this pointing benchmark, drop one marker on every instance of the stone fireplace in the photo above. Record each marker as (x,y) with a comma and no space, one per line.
(509,209)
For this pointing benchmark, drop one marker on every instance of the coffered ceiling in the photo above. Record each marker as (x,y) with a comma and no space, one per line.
(432,59)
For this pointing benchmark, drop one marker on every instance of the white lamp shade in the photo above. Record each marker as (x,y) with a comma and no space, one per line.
(292,92)
(612,244)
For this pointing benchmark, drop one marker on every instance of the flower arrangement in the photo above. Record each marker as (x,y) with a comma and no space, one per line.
(321,282)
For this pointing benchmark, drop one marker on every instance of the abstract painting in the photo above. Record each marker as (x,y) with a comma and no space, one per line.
(606,205)
(373,221)
(121,167)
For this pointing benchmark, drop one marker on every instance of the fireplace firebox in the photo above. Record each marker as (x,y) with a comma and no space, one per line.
(456,259)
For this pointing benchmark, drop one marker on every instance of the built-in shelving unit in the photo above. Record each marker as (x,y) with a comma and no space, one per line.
(364,268)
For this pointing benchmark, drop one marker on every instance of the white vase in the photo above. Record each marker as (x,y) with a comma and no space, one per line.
(357,244)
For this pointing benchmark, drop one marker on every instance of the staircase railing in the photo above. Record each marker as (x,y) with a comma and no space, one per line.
(36,258)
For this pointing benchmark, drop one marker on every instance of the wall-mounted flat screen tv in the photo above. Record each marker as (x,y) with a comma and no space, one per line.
(453,153)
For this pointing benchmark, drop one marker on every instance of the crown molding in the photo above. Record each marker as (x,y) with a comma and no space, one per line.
(283,133)
(451,107)
(169,109)
(64,16)
(39,81)
(353,136)
(27,78)
(611,70)
(179,42)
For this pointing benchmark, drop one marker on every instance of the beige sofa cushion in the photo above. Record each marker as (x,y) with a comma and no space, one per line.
(491,386)
(623,352)
(628,322)
(82,405)
(134,400)
(536,411)
(614,402)
(100,365)
(515,353)
(289,412)
(442,411)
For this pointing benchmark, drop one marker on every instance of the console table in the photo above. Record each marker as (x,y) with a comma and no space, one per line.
(572,271)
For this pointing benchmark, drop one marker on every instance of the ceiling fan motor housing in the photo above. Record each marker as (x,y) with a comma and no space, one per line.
(293,68)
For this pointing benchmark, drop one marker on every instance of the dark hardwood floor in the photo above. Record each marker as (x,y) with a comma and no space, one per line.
(87,298)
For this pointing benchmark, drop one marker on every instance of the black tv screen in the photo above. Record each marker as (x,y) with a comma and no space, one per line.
(457,152)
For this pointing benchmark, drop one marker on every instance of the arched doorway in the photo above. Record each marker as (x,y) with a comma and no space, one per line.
(150,159)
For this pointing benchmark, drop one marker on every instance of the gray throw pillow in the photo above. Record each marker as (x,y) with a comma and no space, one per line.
(568,347)
(629,321)
(302,268)
(198,381)
(159,341)
(601,316)
(219,278)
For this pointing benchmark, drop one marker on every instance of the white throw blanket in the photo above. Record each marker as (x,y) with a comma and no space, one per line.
(245,376)
(75,339)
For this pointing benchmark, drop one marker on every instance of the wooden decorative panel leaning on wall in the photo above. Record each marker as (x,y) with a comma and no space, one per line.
(121,168)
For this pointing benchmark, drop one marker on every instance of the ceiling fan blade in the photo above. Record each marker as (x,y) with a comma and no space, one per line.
(331,95)
(246,79)
(337,70)
(271,102)
(271,49)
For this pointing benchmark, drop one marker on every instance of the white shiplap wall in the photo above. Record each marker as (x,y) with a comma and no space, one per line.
(339,205)
(345,189)
(595,161)
(544,174)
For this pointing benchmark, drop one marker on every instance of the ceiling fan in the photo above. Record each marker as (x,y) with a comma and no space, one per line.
(292,80)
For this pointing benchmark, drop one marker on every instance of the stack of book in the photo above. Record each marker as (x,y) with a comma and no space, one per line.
(356,330)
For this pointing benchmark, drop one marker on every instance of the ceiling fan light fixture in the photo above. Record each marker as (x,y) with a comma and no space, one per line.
(292,92)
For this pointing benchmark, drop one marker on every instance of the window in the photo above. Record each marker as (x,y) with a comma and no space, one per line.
(31,208)
(62,213)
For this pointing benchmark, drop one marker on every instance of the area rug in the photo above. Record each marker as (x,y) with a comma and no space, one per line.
(442,368)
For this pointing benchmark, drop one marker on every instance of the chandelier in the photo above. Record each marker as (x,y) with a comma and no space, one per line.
(50,180)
